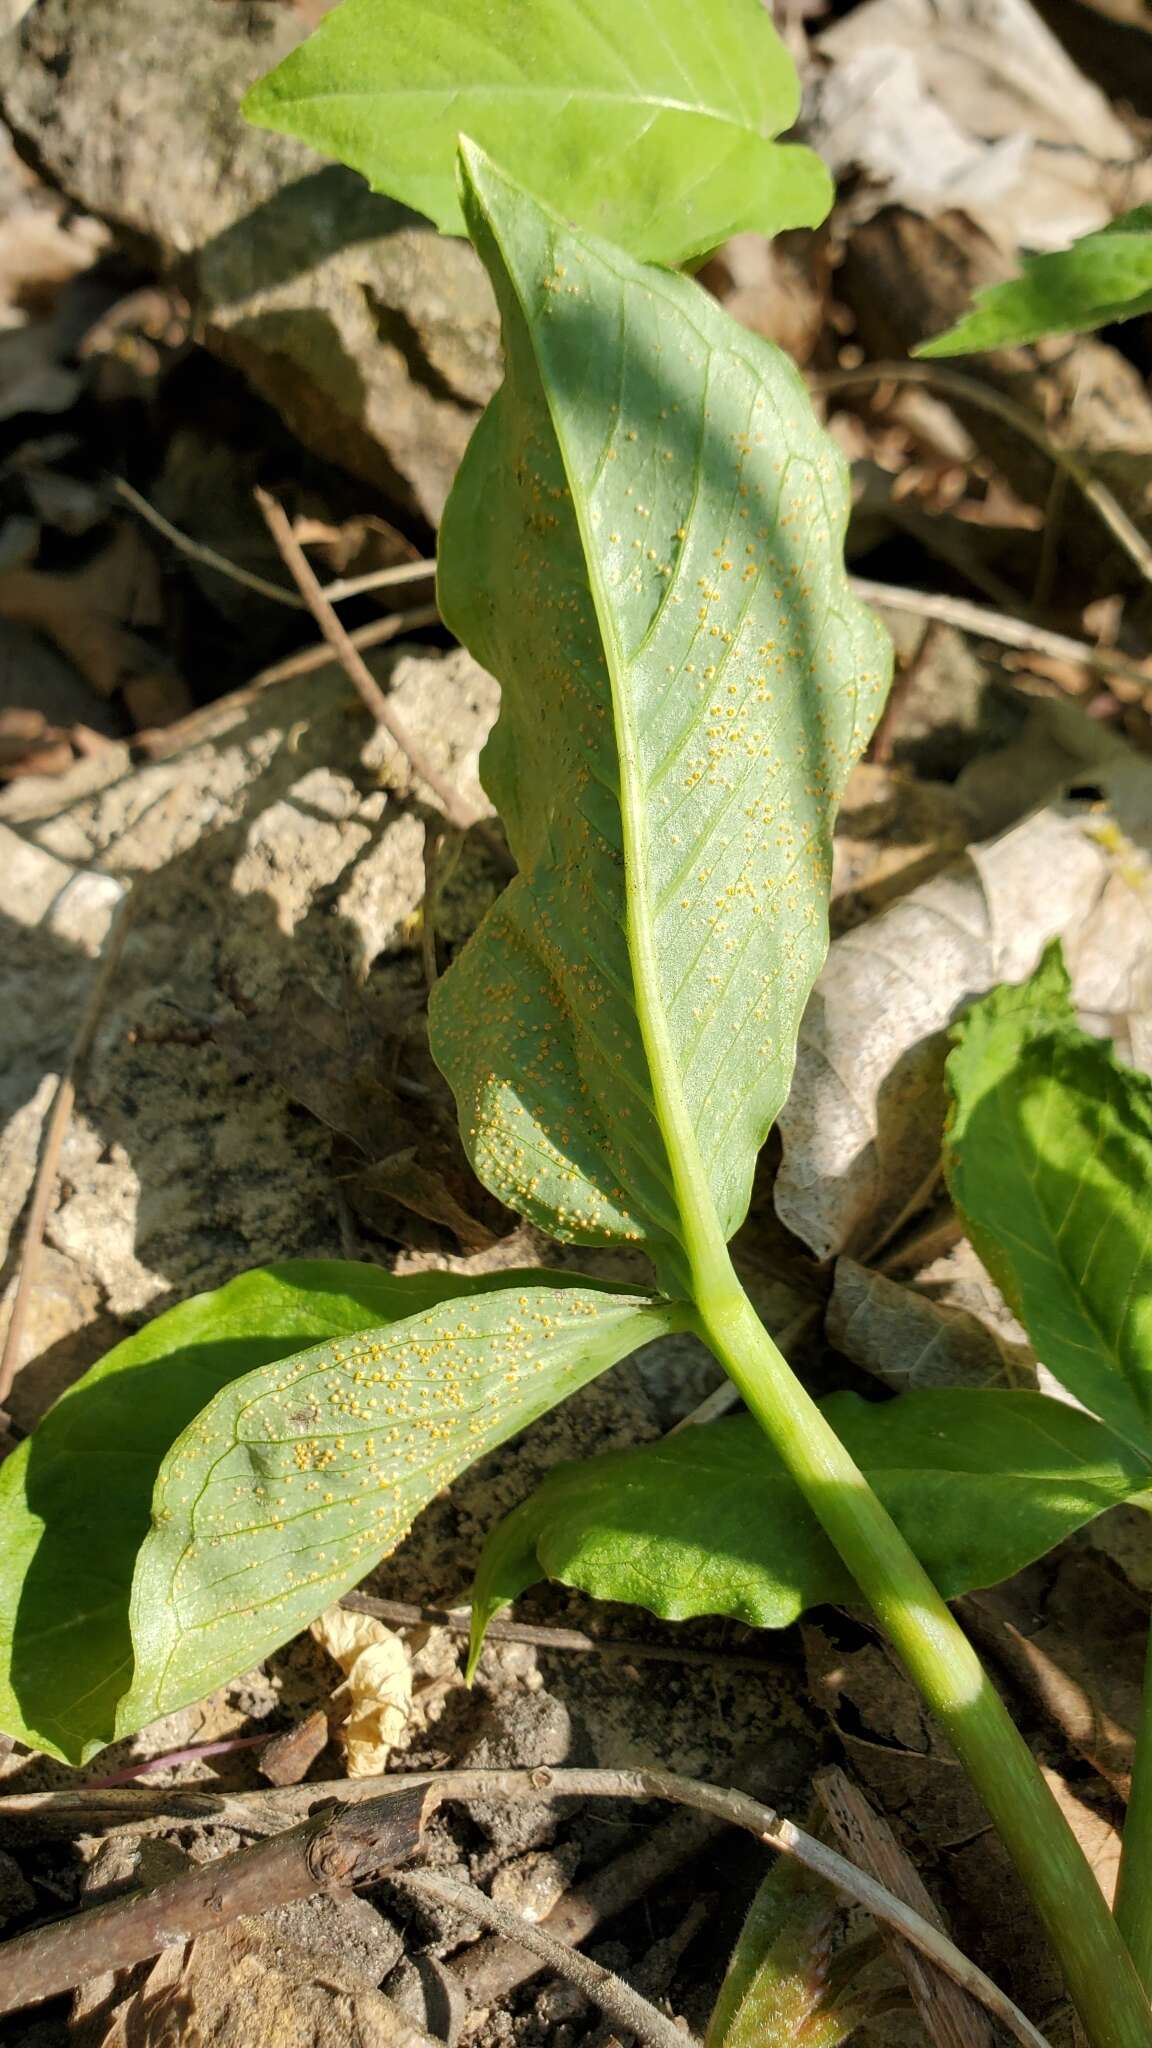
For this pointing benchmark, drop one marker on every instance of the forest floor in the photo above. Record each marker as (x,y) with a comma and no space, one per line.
(188,313)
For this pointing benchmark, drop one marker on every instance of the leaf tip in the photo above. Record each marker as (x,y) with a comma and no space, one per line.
(481,1616)
(944,344)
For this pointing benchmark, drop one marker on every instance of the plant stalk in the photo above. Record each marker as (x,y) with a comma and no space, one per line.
(1134,1884)
(1101,1976)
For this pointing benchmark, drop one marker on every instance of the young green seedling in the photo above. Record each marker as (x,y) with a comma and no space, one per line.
(645,545)
(1104,277)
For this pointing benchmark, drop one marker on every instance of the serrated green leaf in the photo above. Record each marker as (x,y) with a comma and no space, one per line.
(1048,1155)
(296,1479)
(76,1497)
(709,1521)
(686,683)
(1103,277)
(651,123)
(777,1987)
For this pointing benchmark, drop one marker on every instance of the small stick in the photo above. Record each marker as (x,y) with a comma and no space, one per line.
(979,620)
(354,665)
(736,1808)
(159,742)
(491,1970)
(57,1124)
(601,1986)
(421,571)
(883,739)
(971,391)
(199,551)
(403,1614)
(967,616)
(331,1850)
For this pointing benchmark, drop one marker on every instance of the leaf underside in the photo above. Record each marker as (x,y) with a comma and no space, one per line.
(1104,277)
(76,1498)
(66,1560)
(686,681)
(650,123)
(297,1478)
(1049,1159)
(709,1521)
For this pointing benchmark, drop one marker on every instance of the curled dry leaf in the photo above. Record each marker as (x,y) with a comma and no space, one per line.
(377,1686)
(910,1341)
(862,1127)
(973,104)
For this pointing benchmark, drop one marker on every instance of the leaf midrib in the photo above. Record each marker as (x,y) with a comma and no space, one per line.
(660,103)
(702,1235)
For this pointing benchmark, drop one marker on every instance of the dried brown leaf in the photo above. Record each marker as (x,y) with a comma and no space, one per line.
(377,1686)
(951,2019)
(909,1341)
(970,104)
(862,1127)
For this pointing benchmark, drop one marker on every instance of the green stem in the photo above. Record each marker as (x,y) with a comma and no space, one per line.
(1134,1886)
(1101,1977)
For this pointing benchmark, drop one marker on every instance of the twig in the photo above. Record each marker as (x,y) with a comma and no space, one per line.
(492,1969)
(736,1808)
(381,579)
(329,1851)
(601,1986)
(57,1124)
(159,743)
(359,674)
(1093,1733)
(980,620)
(200,552)
(884,737)
(402,1614)
(971,391)
(172,1759)
(280,593)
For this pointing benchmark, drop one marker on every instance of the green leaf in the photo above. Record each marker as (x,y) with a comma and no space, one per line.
(297,1478)
(1049,1158)
(644,544)
(650,123)
(778,1987)
(76,1498)
(1103,277)
(709,1521)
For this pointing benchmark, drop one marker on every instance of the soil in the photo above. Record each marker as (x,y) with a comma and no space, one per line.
(258,1085)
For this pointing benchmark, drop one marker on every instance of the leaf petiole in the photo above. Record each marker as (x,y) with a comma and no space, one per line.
(1101,1975)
